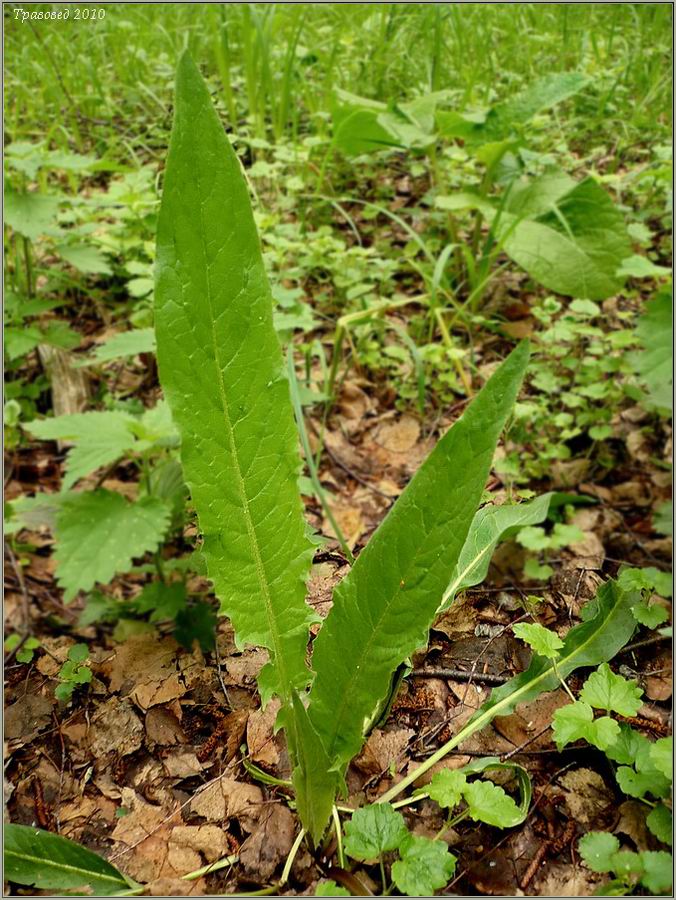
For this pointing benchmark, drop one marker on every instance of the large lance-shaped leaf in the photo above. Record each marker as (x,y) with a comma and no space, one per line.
(383,609)
(221,369)
(49,861)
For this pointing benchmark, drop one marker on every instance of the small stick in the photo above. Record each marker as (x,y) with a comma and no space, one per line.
(461,675)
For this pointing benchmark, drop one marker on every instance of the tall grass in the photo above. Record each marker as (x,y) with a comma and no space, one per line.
(276,66)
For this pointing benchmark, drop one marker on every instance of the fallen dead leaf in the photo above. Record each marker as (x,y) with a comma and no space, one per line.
(27,717)
(270,843)
(182,764)
(226,798)
(660,685)
(162,727)
(348,518)
(587,796)
(383,749)
(115,727)
(399,436)
(260,737)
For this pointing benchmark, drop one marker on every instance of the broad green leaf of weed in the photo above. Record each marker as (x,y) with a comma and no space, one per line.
(51,862)
(100,438)
(576,721)
(162,600)
(30,214)
(384,607)
(628,746)
(533,538)
(425,866)
(489,803)
(638,784)
(654,363)
(573,249)
(660,823)
(374,830)
(650,614)
(543,94)
(99,533)
(127,343)
(221,369)
(662,756)
(646,579)
(598,849)
(606,690)
(543,641)
(85,258)
(658,871)
(446,787)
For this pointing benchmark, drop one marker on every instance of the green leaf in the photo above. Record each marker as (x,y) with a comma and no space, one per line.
(638,784)
(575,247)
(542,94)
(491,525)
(197,623)
(85,258)
(373,830)
(446,787)
(658,872)
(384,607)
(522,778)
(127,343)
(30,214)
(163,601)
(542,640)
(51,862)
(659,821)
(598,849)
(425,866)
(647,579)
(641,267)
(98,535)
(100,439)
(576,721)
(650,614)
(662,756)
(78,653)
(628,746)
(329,888)
(606,690)
(654,363)
(221,369)
(489,803)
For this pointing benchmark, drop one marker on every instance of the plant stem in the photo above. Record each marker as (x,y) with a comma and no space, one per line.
(339,837)
(314,477)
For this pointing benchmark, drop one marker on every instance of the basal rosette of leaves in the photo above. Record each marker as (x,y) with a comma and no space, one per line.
(220,367)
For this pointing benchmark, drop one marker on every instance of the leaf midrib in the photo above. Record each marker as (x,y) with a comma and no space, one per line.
(66,867)
(239,478)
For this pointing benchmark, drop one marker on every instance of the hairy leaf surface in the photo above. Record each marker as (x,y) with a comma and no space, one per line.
(221,369)
(383,609)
